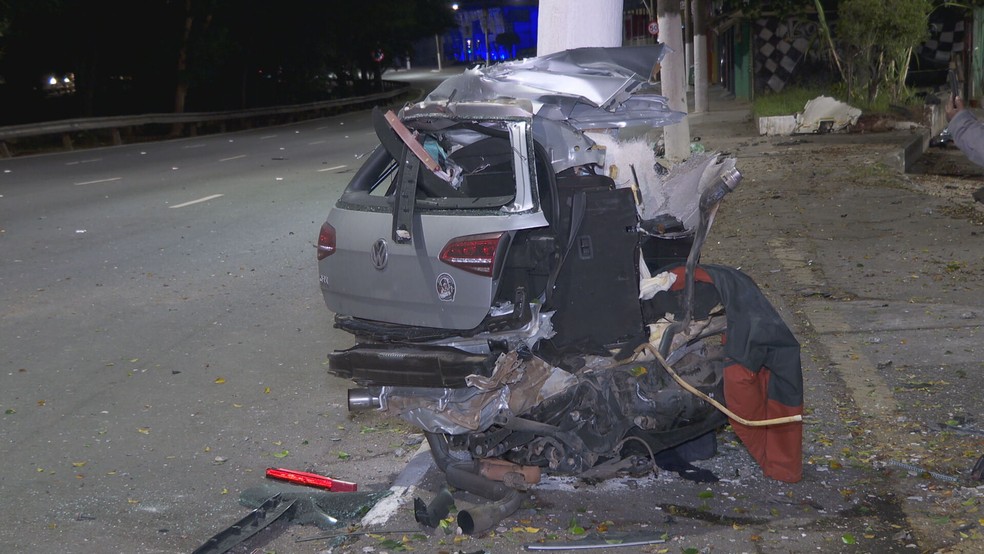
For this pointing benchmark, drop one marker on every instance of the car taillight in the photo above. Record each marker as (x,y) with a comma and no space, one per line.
(473,253)
(326,241)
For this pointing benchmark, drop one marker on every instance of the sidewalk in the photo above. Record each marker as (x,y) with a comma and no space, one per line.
(880,273)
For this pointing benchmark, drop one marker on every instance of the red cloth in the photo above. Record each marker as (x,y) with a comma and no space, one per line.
(778,449)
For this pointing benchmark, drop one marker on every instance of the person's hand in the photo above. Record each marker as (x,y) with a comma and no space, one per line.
(953,106)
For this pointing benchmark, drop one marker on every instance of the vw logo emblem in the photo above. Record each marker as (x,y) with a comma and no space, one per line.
(379,254)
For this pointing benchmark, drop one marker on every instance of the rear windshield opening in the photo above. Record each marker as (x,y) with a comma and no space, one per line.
(468,166)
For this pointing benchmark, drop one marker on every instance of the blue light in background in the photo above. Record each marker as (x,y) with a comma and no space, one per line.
(511,34)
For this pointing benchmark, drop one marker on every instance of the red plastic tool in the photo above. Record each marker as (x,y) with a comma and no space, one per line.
(310,479)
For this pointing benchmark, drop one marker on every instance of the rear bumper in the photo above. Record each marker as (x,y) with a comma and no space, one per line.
(409,366)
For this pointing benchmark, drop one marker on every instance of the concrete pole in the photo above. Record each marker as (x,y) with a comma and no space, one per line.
(565,24)
(673,78)
(700,56)
(437,46)
(688,39)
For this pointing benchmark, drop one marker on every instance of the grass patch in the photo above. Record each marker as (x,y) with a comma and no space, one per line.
(788,102)
(792,100)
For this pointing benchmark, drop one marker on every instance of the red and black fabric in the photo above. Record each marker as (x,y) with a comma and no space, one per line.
(764,376)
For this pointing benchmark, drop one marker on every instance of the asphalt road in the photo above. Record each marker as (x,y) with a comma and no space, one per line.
(163,336)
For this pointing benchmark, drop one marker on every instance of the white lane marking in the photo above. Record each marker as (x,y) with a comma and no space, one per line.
(98,181)
(232,158)
(199,145)
(205,199)
(268,137)
(85,161)
(331,168)
(317,142)
(403,489)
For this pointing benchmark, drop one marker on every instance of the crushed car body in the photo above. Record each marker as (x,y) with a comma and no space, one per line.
(520,273)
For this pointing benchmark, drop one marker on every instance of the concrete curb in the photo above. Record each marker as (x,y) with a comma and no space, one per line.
(903,159)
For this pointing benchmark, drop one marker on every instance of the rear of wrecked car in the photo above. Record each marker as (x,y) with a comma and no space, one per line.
(433,250)
(500,260)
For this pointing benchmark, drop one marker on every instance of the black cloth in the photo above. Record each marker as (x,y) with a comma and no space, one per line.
(757,334)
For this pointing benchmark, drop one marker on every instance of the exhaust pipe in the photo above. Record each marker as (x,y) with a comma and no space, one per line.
(364,399)
(708,204)
(479,519)
(465,475)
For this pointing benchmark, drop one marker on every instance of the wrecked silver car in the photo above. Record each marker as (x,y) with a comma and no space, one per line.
(520,272)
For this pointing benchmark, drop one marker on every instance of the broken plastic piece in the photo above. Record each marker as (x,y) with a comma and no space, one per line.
(311,479)
(324,509)
(264,514)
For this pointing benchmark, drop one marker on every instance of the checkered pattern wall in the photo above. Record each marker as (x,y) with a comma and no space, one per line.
(946,38)
(778,51)
(782,45)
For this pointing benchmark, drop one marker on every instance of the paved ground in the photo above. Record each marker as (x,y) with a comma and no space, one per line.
(879,273)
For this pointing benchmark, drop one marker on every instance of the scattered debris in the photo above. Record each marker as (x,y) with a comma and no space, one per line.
(310,479)
(297,505)
(824,114)
(605,542)
(921,471)
(322,508)
(821,115)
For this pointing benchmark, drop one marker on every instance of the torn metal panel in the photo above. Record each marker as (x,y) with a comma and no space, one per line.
(567,92)
(642,109)
(600,76)
(566,146)
(680,192)
(514,387)
(676,193)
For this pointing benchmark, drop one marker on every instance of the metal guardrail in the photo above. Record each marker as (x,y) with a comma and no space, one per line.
(114,124)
